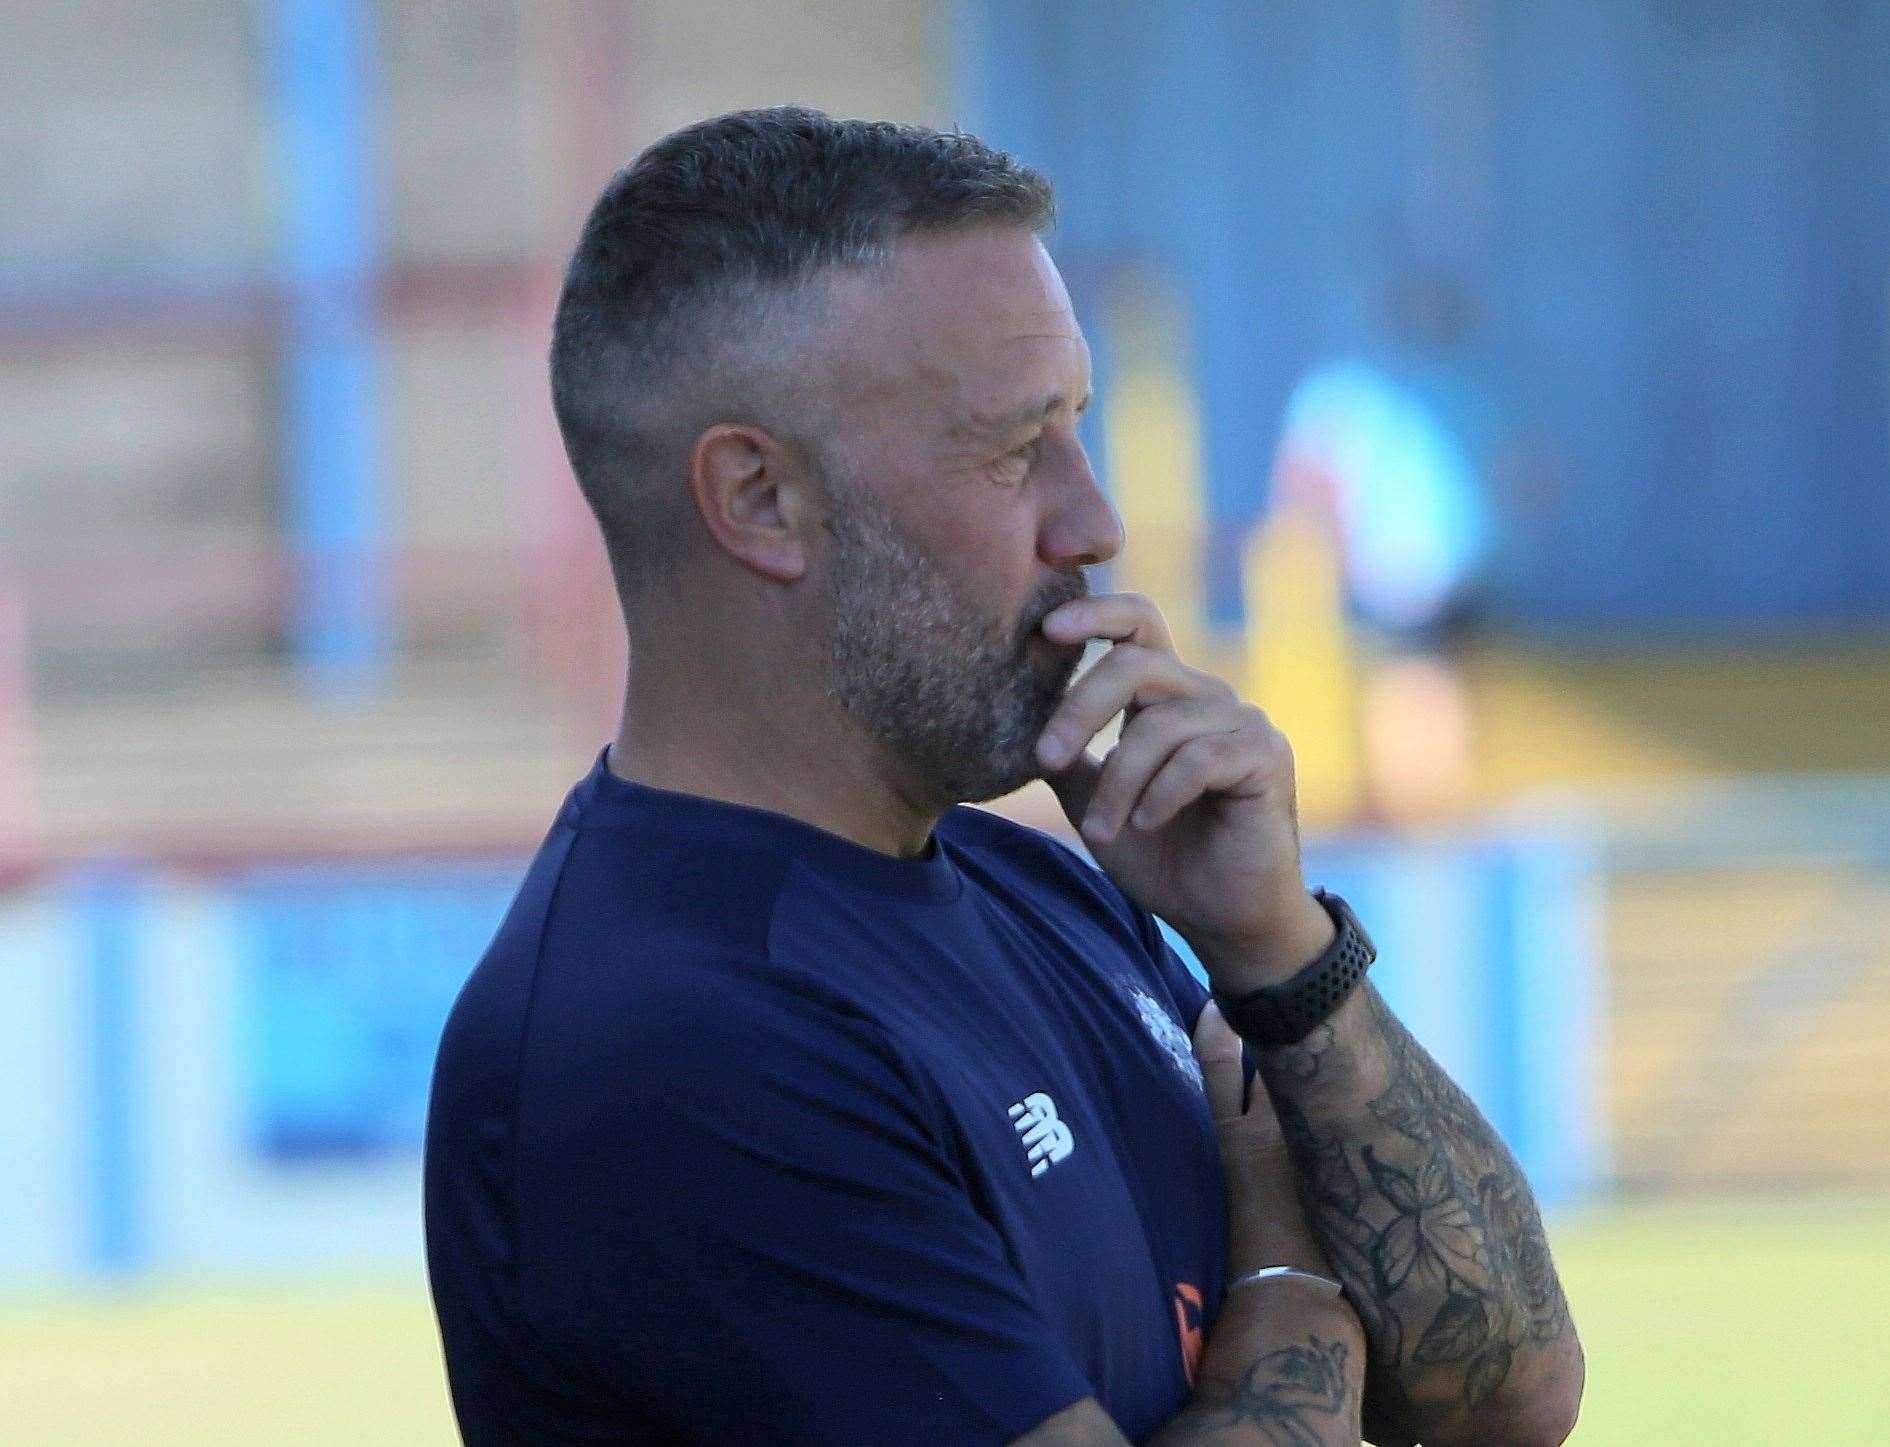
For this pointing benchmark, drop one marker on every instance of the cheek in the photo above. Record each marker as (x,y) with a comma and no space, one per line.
(996,541)
(1004,580)
(983,539)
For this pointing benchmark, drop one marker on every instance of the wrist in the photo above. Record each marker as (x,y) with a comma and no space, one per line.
(1287,1011)
(1286,1245)
(1293,1276)
(1293,937)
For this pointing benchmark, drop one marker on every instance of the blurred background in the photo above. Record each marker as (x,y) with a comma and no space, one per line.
(1498,391)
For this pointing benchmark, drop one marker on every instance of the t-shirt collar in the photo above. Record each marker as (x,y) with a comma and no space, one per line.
(605,798)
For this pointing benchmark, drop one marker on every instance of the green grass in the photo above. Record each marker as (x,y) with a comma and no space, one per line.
(1751,1322)
(1761,1322)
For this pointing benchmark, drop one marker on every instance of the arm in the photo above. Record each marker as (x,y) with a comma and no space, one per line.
(1285,1364)
(1280,1381)
(1428,1218)
(1426,1215)
(1434,1232)
(1283,1378)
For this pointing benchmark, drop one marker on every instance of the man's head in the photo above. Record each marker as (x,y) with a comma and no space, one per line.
(700,291)
(828,366)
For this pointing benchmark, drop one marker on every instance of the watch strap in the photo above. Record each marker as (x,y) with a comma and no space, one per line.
(1286,1013)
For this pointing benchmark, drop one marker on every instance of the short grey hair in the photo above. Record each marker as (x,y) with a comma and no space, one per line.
(695,277)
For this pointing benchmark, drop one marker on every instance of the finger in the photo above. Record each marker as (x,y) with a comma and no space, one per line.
(1074,785)
(1238,764)
(1127,676)
(1122,617)
(1217,1047)
(1146,743)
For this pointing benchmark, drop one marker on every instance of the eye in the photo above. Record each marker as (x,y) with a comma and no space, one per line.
(1014,466)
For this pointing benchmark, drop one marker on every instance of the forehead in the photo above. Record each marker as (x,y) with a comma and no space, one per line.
(966,325)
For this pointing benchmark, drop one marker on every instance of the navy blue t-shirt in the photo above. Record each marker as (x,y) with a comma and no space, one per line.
(744,1132)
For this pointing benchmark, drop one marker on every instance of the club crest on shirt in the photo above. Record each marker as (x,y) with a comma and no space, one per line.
(1167,1034)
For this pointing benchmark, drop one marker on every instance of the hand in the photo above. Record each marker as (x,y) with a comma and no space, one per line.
(1193,811)
(1266,1221)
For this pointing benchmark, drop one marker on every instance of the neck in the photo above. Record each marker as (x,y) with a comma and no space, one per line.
(747,734)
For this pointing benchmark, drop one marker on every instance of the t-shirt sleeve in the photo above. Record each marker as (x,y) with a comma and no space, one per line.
(753,1228)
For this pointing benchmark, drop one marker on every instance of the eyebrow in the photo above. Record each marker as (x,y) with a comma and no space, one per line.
(1001,424)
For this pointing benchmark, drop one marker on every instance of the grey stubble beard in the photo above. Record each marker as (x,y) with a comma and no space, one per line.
(951,690)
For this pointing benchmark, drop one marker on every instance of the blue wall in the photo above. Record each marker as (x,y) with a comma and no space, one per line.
(233,1071)
(1674,221)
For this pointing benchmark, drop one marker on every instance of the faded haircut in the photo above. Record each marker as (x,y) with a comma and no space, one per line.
(693,296)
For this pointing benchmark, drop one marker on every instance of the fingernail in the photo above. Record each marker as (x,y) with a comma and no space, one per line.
(1095,829)
(1051,750)
(1140,818)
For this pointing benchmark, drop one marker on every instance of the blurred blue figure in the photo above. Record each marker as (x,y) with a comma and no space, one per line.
(1387,452)
(1393,446)
(1403,493)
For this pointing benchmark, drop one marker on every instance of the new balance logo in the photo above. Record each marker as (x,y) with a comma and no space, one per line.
(1046,1139)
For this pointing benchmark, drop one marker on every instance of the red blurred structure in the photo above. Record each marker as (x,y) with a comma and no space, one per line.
(17,821)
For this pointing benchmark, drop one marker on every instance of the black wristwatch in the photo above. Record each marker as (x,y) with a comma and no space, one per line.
(1285,1014)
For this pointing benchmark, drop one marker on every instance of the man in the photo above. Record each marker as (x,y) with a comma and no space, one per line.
(793,1103)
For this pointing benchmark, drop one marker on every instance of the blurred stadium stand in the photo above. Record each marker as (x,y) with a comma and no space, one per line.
(1749,949)
(295,594)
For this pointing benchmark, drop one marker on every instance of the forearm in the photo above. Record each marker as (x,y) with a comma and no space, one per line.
(1284,1367)
(1430,1224)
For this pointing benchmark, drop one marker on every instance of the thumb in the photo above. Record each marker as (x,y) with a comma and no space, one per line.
(1217,1047)
(1073,784)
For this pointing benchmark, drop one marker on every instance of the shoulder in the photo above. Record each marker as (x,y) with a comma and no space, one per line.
(1038,863)
(621,955)
(981,832)
(681,1025)
(1039,872)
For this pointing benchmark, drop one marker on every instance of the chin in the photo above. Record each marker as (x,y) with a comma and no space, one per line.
(993,779)
(1000,788)
(1010,772)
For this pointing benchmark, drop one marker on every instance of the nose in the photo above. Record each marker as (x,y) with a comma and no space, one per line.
(1080,527)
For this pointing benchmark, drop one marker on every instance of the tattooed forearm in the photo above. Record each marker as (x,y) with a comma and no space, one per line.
(1428,1219)
(1294,1396)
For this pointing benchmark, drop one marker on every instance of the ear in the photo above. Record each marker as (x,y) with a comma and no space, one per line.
(752,494)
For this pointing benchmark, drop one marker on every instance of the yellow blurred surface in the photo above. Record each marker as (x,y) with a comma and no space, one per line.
(1299,659)
(1155,478)
(1550,716)
(357,1362)
(1750,1027)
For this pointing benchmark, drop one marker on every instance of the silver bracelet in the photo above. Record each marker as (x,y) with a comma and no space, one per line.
(1286,1273)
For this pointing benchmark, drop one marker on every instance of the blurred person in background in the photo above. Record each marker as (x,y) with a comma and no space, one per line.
(1383,459)
(794,1102)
